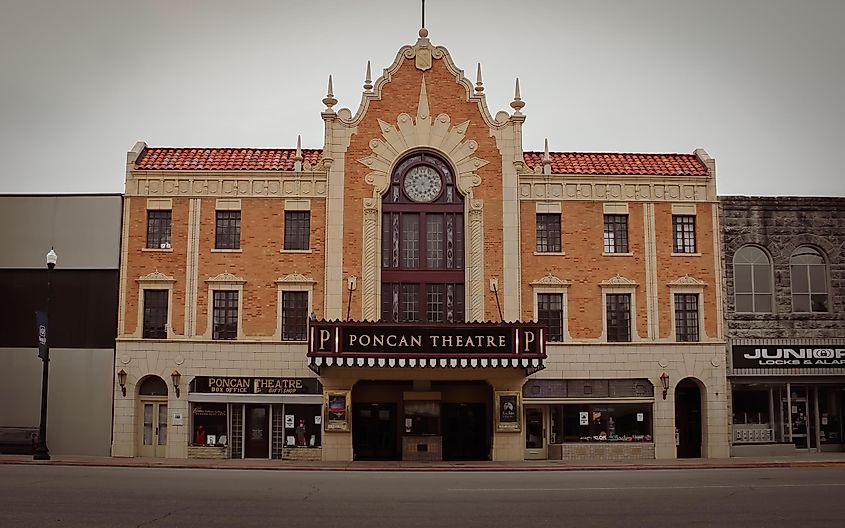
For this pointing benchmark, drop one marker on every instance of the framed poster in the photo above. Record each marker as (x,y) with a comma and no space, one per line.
(336,406)
(508,411)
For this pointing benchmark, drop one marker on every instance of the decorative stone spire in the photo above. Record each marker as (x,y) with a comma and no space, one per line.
(297,159)
(517,104)
(368,82)
(329,99)
(547,160)
(479,84)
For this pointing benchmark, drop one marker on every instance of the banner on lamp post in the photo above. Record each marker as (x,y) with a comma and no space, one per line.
(41,328)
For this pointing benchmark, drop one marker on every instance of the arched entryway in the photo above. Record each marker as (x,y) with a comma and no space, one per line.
(688,418)
(152,430)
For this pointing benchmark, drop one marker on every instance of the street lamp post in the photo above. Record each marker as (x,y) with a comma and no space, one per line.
(42,452)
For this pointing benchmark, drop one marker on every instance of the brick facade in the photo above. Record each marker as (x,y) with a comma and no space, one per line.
(423,103)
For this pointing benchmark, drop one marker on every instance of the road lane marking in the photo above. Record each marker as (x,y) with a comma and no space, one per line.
(629,488)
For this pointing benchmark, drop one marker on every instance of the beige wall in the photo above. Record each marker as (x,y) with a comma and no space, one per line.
(79,400)
(704,363)
(140,358)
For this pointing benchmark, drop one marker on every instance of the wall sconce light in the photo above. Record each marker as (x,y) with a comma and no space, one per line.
(121,379)
(175,376)
(664,381)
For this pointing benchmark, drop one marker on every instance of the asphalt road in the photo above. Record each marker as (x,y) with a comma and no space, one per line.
(44,496)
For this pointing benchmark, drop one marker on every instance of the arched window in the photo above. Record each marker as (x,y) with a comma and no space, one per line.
(752,281)
(422,243)
(153,386)
(808,272)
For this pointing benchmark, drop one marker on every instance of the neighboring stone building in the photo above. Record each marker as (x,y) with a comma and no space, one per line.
(785,312)
(85,232)
(296,303)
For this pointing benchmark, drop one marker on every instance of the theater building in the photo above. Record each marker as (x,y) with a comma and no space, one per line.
(420,288)
(785,282)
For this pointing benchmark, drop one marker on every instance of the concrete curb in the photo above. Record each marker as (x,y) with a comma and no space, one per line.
(433,467)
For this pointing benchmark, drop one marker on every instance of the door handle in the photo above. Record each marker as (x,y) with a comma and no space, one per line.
(156,431)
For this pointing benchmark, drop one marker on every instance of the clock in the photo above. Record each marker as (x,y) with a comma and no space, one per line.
(422,183)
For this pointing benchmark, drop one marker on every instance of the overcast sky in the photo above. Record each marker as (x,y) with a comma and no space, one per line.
(757,83)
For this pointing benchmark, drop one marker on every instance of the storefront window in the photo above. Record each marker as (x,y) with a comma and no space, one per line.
(617,422)
(750,407)
(209,424)
(422,418)
(302,425)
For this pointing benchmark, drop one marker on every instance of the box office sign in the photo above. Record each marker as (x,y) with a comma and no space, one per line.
(410,339)
(248,385)
(508,411)
(788,356)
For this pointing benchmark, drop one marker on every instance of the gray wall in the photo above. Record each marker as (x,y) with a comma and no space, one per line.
(79,404)
(83,229)
(779,225)
(85,232)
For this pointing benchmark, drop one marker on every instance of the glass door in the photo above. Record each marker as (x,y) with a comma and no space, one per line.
(535,434)
(257,432)
(798,418)
(153,429)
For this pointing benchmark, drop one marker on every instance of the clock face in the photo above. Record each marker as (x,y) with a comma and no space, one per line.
(422,183)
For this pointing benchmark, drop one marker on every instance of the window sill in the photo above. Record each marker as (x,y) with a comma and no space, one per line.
(686,254)
(550,253)
(218,250)
(156,250)
(295,251)
(629,254)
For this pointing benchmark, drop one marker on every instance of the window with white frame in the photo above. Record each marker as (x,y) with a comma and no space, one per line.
(550,314)
(548,233)
(294,315)
(294,294)
(753,291)
(683,229)
(686,317)
(225,306)
(618,316)
(808,274)
(619,304)
(155,295)
(155,313)
(225,315)
(550,306)
(616,233)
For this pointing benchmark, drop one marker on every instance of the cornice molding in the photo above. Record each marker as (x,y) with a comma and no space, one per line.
(553,281)
(226,278)
(686,280)
(619,188)
(618,281)
(155,276)
(295,278)
(221,183)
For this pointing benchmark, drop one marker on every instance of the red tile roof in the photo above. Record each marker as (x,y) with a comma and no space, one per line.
(233,159)
(618,163)
(246,159)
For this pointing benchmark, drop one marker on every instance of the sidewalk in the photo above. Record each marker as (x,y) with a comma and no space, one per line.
(804,460)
